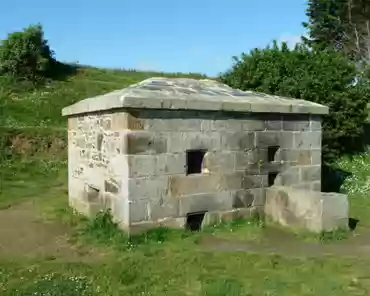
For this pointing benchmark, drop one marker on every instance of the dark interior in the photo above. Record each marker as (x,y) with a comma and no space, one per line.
(271,178)
(194,221)
(194,160)
(271,152)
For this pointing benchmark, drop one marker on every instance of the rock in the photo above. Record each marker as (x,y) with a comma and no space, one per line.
(311,210)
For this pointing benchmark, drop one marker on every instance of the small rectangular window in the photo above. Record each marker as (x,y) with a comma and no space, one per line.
(271,179)
(194,161)
(271,152)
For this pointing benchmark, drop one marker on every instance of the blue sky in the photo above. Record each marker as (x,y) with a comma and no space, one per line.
(165,35)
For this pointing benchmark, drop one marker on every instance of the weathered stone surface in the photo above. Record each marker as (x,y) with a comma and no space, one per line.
(240,141)
(297,123)
(249,198)
(163,208)
(218,162)
(145,143)
(138,210)
(205,202)
(311,210)
(167,93)
(310,173)
(307,140)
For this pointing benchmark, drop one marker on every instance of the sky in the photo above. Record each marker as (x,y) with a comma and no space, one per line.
(161,35)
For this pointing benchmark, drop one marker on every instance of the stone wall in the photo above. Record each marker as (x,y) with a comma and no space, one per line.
(135,161)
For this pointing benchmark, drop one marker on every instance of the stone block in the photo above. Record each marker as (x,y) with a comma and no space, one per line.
(119,121)
(111,186)
(170,164)
(219,162)
(182,141)
(163,208)
(316,156)
(244,159)
(290,176)
(153,188)
(217,217)
(241,141)
(274,123)
(253,125)
(307,140)
(205,202)
(138,210)
(316,123)
(232,181)
(141,165)
(230,124)
(310,173)
(316,185)
(304,157)
(287,140)
(186,185)
(266,139)
(311,210)
(298,123)
(145,143)
(72,123)
(248,198)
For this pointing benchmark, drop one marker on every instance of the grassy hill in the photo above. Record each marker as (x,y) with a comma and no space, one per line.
(31,123)
(47,250)
(24,106)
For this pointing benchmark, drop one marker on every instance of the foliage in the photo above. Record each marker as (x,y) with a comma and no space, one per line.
(26,55)
(55,285)
(343,25)
(358,183)
(323,77)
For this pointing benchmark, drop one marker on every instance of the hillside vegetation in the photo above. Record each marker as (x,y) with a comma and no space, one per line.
(46,249)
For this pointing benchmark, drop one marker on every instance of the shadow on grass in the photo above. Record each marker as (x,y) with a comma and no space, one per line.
(61,71)
(333,178)
(352,223)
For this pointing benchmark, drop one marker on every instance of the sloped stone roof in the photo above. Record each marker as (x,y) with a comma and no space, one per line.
(192,94)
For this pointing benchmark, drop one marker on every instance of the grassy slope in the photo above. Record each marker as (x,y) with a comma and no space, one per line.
(173,267)
(43,107)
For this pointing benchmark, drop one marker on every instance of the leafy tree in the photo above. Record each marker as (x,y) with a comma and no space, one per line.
(324,77)
(343,25)
(26,54)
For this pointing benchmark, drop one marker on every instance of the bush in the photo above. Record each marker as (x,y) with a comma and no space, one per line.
(322,77)
(26,55)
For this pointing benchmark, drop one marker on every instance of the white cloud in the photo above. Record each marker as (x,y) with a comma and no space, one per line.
(146,66)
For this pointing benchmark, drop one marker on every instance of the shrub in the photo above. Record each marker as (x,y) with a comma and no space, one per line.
(26,55)
(323,77)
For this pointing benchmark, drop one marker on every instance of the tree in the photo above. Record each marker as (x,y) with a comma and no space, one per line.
(342,25)
(26,54)
(325,77)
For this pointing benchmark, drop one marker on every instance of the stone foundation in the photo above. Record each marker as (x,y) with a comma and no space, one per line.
(163,149)
(135,161)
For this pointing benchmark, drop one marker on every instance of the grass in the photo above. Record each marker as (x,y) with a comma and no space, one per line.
(42,106)
(165,262)
(162,261)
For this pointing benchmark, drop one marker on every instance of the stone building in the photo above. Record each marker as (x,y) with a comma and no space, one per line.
(175,152)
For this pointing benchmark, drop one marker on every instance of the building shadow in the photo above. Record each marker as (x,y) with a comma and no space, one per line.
(333,179)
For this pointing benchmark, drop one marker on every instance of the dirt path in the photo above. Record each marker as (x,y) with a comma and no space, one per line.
(279,242)
(24,234)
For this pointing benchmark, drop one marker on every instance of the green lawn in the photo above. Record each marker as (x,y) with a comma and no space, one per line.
(167,262)
(45,249)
